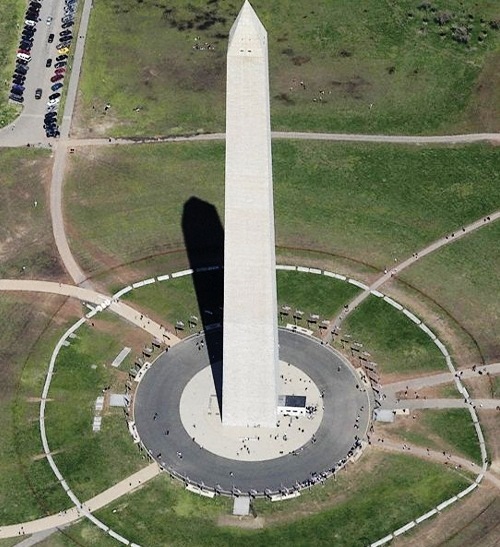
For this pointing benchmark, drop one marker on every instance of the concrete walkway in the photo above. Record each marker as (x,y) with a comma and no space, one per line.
(98,299)
(10,138)
(431,380)
(94,504)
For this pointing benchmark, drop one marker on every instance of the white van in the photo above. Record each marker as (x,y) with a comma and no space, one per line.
(24,57)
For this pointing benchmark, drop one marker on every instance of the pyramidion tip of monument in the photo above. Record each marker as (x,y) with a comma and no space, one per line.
(247,37)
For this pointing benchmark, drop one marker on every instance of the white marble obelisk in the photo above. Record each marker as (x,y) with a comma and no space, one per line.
(250,339)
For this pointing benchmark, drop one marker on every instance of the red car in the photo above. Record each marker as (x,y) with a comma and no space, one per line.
(25,51)
(57,77)
(61,70)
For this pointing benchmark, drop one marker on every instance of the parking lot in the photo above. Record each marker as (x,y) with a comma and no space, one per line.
(42,58)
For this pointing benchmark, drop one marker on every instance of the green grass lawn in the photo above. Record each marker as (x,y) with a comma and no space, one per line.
(11,16)
(394,342)
(28,488)
(401,487)
(451,430)
(90,462)
(364,202)
(464,278)
(175,299)
(328,63)
(26,242)
(313,294)
(456,428)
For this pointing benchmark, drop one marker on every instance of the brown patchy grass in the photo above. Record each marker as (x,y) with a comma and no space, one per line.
(25,320)
(27,248)
(481,387)
(490,422)
(484,112)
(474,521)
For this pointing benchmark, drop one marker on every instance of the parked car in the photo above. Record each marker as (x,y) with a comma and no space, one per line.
(20,69)
(49,20)
(63,50)
(30,23)
(54,96)
(53,101)
(24,57)
(61,57)
(17,98)
(60,70)
(18,79)
(68,24)
(56,77)
(51,38)
(38,93)
(60,64)
(48,63)
(17,89)
(65,32)
(56,86)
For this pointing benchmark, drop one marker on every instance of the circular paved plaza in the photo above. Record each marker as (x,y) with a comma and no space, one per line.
(177,416)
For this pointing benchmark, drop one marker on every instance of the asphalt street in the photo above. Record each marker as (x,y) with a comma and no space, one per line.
(156,413)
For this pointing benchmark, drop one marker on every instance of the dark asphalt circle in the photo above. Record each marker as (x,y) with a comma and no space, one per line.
(156,415)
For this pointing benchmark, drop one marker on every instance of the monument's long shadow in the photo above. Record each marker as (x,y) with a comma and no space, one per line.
(204,240)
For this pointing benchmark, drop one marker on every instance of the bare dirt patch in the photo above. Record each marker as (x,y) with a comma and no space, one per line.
(481,387)
(247,523)
(442,391)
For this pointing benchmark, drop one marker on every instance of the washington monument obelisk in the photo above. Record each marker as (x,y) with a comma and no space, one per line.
(250,338)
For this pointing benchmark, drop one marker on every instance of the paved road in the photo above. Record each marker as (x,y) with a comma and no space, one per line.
(158,421)
(399,267)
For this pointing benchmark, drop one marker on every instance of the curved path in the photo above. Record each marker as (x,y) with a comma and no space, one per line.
(98,299)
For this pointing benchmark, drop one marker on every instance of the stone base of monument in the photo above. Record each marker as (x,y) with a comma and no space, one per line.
(200,416)
(176,410)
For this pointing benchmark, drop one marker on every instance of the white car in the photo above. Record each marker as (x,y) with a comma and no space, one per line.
(53,102)
(49,20)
